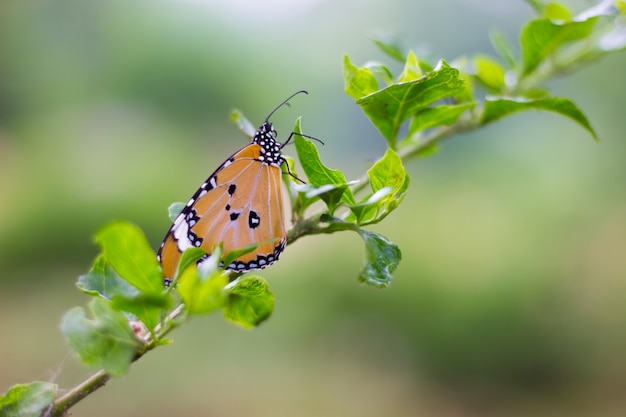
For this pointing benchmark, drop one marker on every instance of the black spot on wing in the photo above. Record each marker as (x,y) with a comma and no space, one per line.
(253,220)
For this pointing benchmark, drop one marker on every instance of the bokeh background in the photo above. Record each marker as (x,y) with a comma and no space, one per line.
(510,297)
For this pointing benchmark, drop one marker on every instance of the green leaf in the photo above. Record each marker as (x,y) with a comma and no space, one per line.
(318,174)
(237,117)
(105,341)
(249,302)
(189,257)
(436,116)
(103,281)
(359,82)
(288,180)
(146,307)
(202,294)
(542,37)
(381,259)
(331,194)
(503,48)
(495,108)
(390,107)
(236,253)
(390,44)
(490,73)
(368,210)
(388,171)
(538,5)
(27,400)
(126,248)
(174,210)
(211,265)
(389,182)
(556,11)
(380,70)
(411,70)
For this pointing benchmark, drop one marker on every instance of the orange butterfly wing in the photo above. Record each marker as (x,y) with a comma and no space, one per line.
(240,204)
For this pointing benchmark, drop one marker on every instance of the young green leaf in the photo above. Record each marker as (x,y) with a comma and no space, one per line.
(503,48)
(249,302)
(174,210)
(359,82)
(436,116)
(542,37)
(189,257)
(237,117)
(556,11)
(202,294)
(391,45)
(538,5)
(381,71)
(127,250)
(27,400)
(411,70)
(318,174)
(236,253)
(104,341)
(103,281)
(368,210)
(146,307)
(496,108)
(490,73)
(331,194)
(388,108)
(389,182)
(288,168)
(381,259)
(389,171)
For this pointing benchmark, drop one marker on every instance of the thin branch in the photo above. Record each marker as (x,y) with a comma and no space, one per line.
(73,396)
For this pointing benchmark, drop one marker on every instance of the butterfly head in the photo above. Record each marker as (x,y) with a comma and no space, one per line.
(270,147)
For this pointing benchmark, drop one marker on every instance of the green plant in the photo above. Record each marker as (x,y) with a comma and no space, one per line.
(434,100)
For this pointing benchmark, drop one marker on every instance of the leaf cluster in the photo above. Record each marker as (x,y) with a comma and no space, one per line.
(437,100)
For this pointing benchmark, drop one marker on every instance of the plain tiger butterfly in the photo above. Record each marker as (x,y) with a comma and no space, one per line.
(240,204)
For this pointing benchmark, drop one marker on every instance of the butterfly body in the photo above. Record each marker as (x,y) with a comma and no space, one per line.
(238,205)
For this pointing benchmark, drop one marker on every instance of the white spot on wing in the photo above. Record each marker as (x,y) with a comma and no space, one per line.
(181,231)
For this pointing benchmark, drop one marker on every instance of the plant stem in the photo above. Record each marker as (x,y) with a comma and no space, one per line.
(314,225)
(97,380)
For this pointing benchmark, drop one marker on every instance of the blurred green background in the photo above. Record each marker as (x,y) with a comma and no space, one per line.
(510,297)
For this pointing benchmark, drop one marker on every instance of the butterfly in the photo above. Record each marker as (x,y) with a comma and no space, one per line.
(240,204)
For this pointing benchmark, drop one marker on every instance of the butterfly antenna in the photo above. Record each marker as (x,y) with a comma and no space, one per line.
(300,134)
(285,102)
